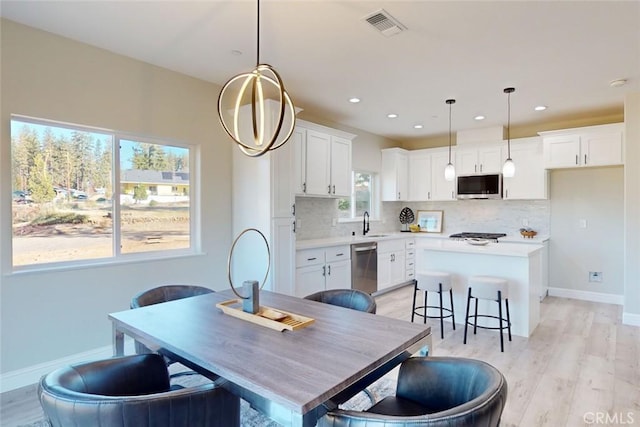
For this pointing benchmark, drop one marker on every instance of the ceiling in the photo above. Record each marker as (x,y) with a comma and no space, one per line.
(562,54)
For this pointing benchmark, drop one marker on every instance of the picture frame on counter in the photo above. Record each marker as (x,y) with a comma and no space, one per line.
(430,221)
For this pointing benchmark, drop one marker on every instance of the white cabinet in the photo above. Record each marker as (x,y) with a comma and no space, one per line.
(410,259)
(391,263)
(323,159)
(419,176)
(394,174)
(441,189)
(473,160)
(322,268)
(531,178)
(584,147)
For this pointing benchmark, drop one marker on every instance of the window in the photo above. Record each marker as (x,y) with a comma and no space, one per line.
(363,196)
(65,208)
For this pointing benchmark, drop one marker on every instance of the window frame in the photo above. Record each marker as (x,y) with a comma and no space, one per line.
(117,256)
(374,212)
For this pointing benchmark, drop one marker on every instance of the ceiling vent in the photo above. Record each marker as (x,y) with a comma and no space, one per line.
(386,24)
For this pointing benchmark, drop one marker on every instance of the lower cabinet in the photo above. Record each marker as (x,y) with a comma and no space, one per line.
(322,268)
(391,263)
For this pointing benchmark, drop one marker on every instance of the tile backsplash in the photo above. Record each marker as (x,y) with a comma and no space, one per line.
(316,217)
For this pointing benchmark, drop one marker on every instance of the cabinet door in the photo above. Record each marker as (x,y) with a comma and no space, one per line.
(466,161)
(398,268)
(384,270)
(298,142)
(340,167)
(318,158)
(530,180)
(402,176)
(441,189)
(338,275)
(309,280)
(281,181)
(490,159)
(394,175)
(283,257)
(419,177)
(602,148)
(562,151)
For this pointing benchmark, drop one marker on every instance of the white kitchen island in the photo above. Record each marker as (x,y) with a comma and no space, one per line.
(520,263)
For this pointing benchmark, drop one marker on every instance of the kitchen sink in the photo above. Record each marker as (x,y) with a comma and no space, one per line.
(375,236)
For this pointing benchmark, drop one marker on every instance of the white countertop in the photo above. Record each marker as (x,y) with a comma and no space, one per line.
(502,248)
(511,243)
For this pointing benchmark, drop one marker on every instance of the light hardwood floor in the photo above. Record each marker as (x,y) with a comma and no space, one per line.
(580,367)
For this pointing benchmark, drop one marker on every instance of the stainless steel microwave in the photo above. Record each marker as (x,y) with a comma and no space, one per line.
(487,186)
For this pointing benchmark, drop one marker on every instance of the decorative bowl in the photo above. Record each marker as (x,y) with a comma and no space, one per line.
(528,234)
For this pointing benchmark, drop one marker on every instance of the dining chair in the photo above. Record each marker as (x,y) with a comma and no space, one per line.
(132,391)
(348,298)
(434,392)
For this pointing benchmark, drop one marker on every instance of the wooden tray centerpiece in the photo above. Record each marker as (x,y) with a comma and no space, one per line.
(270,317)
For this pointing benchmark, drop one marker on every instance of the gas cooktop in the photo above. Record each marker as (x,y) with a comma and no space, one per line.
(470,235)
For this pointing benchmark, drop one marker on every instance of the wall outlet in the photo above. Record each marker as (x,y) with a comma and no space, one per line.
(595,276)
(582,223)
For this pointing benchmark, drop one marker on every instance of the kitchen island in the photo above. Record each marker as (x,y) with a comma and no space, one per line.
(521,264)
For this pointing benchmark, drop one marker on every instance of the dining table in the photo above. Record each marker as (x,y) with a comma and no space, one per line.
(291,376)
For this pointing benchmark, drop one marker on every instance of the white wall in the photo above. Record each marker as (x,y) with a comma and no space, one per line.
(631,312)
(596,196)
(52,314)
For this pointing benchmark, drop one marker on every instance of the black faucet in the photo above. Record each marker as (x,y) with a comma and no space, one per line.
(365,223)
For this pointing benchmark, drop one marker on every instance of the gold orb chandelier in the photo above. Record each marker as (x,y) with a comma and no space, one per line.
(254,103)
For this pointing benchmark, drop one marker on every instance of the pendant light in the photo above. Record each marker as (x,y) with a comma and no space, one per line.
(509,168)
(450,170)
(243,106)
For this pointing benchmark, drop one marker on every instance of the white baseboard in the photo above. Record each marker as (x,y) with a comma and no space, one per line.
(631,319)
(30,375)
(587,296)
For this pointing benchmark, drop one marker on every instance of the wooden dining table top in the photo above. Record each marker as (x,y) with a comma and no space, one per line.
(298,369)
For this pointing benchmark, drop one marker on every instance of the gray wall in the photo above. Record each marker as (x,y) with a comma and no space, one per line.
(52,314)
(632,209)
(595,195)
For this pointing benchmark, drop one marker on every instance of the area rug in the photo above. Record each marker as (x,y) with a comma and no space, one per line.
(252,418)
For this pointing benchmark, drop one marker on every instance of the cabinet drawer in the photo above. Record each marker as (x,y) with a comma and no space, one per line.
(410,243)
(309,257)
(411,253)
(411,274)
(410,264)
(390,245)
(338,253)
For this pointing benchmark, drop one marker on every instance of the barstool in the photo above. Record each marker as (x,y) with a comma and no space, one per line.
(492,289)
(433,281)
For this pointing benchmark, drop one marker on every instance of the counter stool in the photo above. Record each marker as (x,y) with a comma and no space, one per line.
(492,289)
(433,281)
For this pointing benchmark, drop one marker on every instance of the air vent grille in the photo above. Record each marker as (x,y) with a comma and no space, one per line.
(386,24)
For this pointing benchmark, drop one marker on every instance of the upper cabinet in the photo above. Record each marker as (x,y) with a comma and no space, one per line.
(531,178)
(395,174)
(441,189)
(419,175)
(584,147)
(475,160)
(323,161)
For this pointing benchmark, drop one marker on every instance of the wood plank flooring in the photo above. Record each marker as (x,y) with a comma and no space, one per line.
(580,367)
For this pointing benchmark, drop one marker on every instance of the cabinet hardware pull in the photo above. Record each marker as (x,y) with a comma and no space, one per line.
(480,168)
(585,159)
(506,194)
(452,197)
(304,187)
(329,269)
(334,189)
(324,270)
(294,226)
(576,159)
(398,195)
(428,195)
(293,209)
(341,254)
(311,259)
(329,188)
(475,168)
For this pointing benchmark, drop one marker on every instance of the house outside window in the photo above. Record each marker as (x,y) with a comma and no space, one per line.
(363,197)
(91,195)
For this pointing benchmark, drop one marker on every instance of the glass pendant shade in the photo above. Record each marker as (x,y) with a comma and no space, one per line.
(449,172)
(508,169)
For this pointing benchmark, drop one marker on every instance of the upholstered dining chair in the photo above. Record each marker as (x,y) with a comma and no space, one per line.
(349,298)
(162,294)
(434,392)
(132,391)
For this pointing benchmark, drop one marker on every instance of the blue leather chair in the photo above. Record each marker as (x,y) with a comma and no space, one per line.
(132,391)
(349,298)
(434,392)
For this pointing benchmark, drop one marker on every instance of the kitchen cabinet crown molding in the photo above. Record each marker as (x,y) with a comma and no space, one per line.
(325,129)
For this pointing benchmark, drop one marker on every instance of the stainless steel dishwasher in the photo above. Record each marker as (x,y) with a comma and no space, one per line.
(364,266)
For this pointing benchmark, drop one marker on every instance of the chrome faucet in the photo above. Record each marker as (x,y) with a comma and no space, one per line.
(365,223)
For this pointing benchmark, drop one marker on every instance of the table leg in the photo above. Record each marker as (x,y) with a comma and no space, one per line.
(118,342)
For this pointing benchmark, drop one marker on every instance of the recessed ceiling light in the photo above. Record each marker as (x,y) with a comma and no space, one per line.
(417,126)
(354,100)
(540,107)
(618,82)
(479,117)
(392,115)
